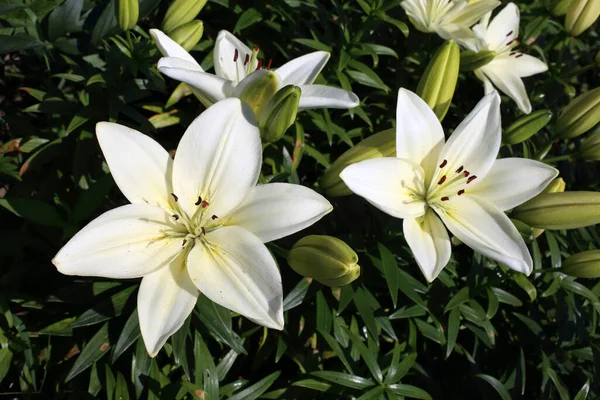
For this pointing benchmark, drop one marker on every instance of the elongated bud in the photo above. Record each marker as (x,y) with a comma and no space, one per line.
(526,127)
(279,113)
(189,34)
(568,210)
(257,89)
(127,12)
(580,115)
(181,12)
(326,259)
(381,144)
(472,60)
(556,186)
(583,265)
(590,148)
(581,14)
(558,7)
(437,84)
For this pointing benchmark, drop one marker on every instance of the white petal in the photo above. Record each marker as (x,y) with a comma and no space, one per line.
(218,159)
(303,70)
(127,242)
(225,53)
(277,210)
(211,86)
(504,27)
(140,166)
(169,48)
(487,84)
(419,135)
(469,15)
(391,184)
(321,96)
(513,181)
(429,242)
(415,9)
(234,269)
(165,299)
(474,144)
(486,230)
(520,64)
(509,83)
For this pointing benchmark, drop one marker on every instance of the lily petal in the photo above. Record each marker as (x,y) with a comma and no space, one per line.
(509,83)
(521,64)
(218,159)
(230,57)
(504,27)
(419,16)
(234,269)
(169,48)
(126,242)
(389,183)
(487,84)
(469,15)
(419,134)
(211,86)
(165,299)
(429,242)
(140,166)
(513,181)
(487,230)
(319,96)
(278,210)
(303,70)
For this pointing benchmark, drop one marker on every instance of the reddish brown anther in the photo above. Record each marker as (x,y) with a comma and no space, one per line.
(214,217)
(445,198)
(471,179)
(269,64)
(203,231)
(246,59)
(199,201)
(459,170)
(520,55)
(258,65)
(235,55)
(443,164)
(461,191)
(467,173)
(175,197)
(175,216)
(509,33)
(442,180)
(205,204)
(184,242)
(511,42)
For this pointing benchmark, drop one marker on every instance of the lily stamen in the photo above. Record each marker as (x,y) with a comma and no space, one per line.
(443,164)
(199,201)
(442,180)
(235,55)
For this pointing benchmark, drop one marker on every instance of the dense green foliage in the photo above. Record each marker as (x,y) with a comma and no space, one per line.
(479,331)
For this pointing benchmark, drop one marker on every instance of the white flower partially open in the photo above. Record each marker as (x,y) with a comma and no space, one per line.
(509,65)
(458,182)
(196,223)
(237,65)
(450,19)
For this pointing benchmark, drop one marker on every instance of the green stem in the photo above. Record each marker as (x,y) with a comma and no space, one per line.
(568,157)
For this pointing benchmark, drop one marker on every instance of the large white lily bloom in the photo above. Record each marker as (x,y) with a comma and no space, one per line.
(450,19)
(196,223)
(459,183)
(236,67)
(509,65)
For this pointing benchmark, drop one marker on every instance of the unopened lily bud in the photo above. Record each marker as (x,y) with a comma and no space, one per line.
(257,89)
(472,60)
(581,14)
(188,35)
(181,12)
(590,148)
(558,7)
(279,113)
(381,144)
(437,84)
(558,185)
(580,115)
(127,12)
(526,127)
(326,259)
(583,265)
(568,210)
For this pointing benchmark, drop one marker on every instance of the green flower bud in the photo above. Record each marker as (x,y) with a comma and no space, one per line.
(381,144)
(127,12)
(581,14)
(472,60)
(257,89)
(181,12)
(189,34)
(568,210)
(583,265)
(558,7)
(279,113)
(556,186)
(580,115)
(590,148)
(437,84)
(326,259)
(526,127)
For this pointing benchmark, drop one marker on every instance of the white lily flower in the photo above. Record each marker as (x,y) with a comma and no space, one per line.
(459,183)
(509,65)
(450,19)
(196,223)
(236,66)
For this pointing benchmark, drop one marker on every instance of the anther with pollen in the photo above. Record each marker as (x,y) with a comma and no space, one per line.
(442,180)
(199,201)
(466,173)
(184,242)
(471,179)
(235,55)
(443,164)
(214,217)
(445,198)
(205,204)
(259,65)
(511,42)
(461,191)
(203,231)
(459,170)
(175,197)
(520,55)
(509,33)
(269,64)
(175,216)
(246,59)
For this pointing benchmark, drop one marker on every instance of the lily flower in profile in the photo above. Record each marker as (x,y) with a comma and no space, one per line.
(238,71)
(459,183)
(509,65)
(197,223)
(450,19)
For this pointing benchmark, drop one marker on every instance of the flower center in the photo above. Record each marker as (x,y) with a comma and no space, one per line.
(251,62)
(198,224)
(449,184)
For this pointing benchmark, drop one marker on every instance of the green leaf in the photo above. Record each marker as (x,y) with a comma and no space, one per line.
(105,310)
(347,380)
(254,391)
(453,325)
(324,317)
(5,361)
(507,298)
(296,296)
(365,311)
(581,395)
(374,393)
(129,334)
(312,384)
(92,352)
(314,44)
(369,358)
(60,328)
(459,298)
(9,44)
(562,390)
(581,290)
(33,210)
(409,312)
(390,271)
(206,372)
(409,391)
(248,18)
(496,384)
(121,391)
(336,349)
(397,371)
(218,320)
(65,19)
